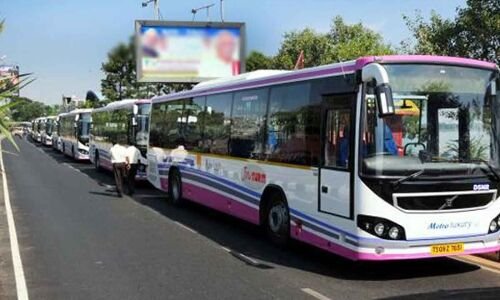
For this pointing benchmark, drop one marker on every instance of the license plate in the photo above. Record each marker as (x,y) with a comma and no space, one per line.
(447,249)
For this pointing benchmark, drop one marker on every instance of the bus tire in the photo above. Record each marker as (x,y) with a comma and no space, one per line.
(175,187)
(277,219)
(97,162)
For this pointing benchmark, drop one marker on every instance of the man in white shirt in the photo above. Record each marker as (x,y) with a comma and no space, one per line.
(118,159)
(132,158)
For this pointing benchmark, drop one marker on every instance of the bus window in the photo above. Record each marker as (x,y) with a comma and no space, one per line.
(249,111)
(217,123)
(288,124)
(192,123)
(337,133)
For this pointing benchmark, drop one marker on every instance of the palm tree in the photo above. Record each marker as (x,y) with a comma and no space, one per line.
(8,96)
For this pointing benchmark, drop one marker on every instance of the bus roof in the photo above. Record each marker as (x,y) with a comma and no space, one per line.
(269,77)
(121,104)
(75,112)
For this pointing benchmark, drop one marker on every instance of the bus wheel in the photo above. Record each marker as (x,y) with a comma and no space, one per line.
(278,220)
(175,187)
(97,162)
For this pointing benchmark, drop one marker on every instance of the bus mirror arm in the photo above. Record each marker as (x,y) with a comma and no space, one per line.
(383,92)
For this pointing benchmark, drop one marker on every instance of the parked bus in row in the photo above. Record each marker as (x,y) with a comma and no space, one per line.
(74,133)
(380,158)
(126,122)
(48,130)
(56,140)
(38,127)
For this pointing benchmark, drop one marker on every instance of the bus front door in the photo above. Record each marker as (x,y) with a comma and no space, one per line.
(334,172)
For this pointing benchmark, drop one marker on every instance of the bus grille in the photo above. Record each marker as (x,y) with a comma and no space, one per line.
(448,201)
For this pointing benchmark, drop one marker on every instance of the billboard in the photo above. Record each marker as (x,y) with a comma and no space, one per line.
(188,51)
(11,72)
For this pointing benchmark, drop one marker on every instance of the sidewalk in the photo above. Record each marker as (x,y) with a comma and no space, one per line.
(489,261)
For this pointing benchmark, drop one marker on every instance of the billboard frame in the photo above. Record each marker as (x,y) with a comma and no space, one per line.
(195,24)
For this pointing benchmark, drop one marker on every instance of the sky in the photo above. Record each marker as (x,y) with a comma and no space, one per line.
(64,42)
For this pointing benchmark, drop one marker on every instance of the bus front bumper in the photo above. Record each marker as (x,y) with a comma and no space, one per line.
(360,248)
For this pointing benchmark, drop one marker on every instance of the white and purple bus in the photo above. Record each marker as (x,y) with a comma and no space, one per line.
(126,121)
(37,128)
(50,126)
(74,131)
(380,158)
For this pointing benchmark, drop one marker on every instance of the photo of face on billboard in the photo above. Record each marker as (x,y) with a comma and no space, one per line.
(186,52)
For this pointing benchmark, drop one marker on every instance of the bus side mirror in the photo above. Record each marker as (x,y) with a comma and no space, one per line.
(385,102)
(491,93)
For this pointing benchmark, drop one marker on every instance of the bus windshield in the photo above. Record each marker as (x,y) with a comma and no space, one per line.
(49,127)
(141,136)
(446,121)
(84,128)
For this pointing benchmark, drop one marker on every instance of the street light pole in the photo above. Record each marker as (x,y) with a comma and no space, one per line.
(156,7)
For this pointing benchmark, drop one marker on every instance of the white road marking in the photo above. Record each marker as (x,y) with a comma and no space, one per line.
(185,227)
(71,167)
(225,249)
(315,294)
(247,258)
(21,289)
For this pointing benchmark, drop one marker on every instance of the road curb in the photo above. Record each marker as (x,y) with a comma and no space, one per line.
(480,261)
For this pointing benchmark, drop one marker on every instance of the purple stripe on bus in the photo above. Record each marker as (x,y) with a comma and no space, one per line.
(220,202)
(334,69)
(361,62)
(310,237)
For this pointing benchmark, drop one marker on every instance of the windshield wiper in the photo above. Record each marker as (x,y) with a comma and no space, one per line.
(396,183)
(490,167)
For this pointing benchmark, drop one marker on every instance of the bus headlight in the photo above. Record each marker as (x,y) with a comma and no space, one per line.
(381,227)
(394,233)
(493,226)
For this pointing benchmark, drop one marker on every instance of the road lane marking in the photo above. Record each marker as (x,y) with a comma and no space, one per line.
(21,289)
(315,294)
(245,258)
(185,227)
(225,249)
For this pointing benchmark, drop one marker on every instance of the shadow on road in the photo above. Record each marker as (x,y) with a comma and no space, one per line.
(479,293)
(243,238)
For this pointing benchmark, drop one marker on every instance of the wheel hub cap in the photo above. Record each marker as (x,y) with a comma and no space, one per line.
(277,217)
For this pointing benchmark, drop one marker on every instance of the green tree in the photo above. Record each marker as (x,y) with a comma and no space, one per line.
(27,110)
(474,32)
(318,49)
(356,40)
(258,61)
(343,42)
(8,96)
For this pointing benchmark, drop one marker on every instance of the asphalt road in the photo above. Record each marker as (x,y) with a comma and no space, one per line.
(79,241)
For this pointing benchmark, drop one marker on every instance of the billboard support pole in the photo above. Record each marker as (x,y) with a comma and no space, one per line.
(157,9)
(221,11)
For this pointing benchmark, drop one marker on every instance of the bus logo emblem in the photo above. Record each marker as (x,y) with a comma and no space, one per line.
(448,202)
